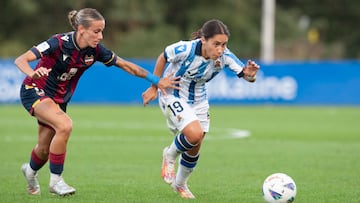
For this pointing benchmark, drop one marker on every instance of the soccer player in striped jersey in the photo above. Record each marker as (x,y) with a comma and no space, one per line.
(186,109)
(48,88)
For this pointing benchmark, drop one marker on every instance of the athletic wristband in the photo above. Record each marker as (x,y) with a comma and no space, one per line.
(152,78)
(241,74)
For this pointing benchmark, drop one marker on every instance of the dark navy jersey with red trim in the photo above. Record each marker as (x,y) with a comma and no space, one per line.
(68,62)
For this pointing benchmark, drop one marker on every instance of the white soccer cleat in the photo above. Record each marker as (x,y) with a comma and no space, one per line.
(167,168)
(33,186)
(61,188)
(183,191)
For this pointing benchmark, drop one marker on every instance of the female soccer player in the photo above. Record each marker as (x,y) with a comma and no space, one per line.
(48,88)
(186,109)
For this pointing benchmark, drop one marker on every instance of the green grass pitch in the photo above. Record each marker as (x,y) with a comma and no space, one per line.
(114,154)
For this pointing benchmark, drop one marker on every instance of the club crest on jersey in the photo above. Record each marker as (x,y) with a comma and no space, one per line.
(217,64)
(89,60)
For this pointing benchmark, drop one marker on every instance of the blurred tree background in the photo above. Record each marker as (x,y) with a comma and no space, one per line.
(305,29)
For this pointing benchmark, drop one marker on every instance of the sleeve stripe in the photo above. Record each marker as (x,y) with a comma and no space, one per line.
(111,59)
(37,53)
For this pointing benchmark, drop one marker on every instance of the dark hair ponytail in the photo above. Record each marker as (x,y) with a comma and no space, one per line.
(211,28)
(196,35)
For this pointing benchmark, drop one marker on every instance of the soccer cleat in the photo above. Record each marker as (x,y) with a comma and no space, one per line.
(183,191)
(61,188)
(33,186)
(167,168)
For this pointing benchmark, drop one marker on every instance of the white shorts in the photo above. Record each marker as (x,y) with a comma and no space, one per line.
(179,113)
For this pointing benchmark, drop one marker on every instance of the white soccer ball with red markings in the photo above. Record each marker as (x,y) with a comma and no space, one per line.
(279,188)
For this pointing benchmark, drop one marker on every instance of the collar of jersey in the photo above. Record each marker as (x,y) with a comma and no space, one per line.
(73,37)
(198,48)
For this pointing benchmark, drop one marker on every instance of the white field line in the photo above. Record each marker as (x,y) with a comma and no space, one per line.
(214,134)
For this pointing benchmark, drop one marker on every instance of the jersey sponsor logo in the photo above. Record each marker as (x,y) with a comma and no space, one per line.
(89,60)
(197,80)
(67,76)
(192,73)
(43,46)
(65,38)
(180,48)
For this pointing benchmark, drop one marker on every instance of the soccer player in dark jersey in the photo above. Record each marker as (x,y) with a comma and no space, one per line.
(48,88)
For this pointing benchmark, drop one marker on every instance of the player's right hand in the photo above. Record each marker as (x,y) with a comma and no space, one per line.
(40,72)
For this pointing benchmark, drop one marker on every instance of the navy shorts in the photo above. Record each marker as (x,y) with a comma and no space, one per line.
(31,95)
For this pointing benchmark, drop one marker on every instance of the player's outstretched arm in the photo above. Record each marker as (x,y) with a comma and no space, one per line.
(133,69)
(250,71)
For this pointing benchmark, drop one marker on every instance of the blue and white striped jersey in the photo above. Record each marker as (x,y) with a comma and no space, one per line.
(185,60)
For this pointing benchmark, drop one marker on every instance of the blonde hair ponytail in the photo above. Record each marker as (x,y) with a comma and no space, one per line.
(72,19)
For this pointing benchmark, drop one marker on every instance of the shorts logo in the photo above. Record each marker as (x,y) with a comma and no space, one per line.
(38,91)
(179,118)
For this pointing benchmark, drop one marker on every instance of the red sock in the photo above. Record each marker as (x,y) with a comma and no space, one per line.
(57,163)
(35,162)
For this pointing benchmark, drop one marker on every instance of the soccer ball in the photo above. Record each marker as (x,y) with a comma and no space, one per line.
(279,188)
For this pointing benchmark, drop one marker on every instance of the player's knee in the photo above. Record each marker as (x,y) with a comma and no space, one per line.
(193,132)
(65,128)
(196,137)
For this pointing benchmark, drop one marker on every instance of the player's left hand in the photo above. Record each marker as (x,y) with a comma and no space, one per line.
(168,82)
(251,68)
